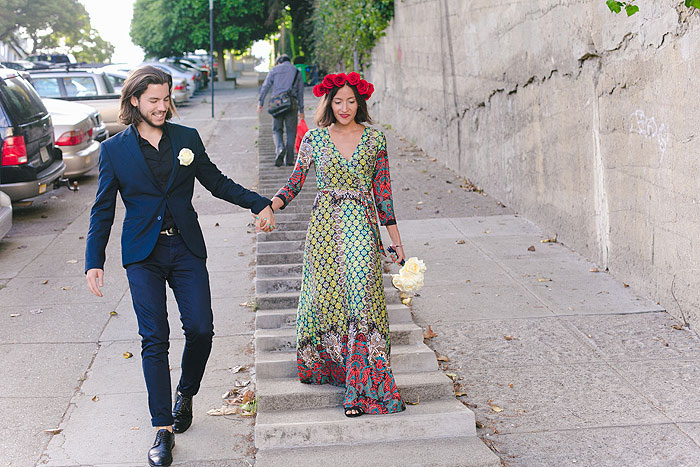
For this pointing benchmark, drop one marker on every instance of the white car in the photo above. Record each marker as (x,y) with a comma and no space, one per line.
(5,214)
(78,131)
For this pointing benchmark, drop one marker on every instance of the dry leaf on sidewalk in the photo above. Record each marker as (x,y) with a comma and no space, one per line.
(413,403)
(72,261)
(543,279)
(508,338)
(53,431)
(45,282)
(224,410)
(248,397)
(531,248)
(494,407)
(429,333)
(460,393)
(127,354)
(237,369)
(460,242)
(594,270)
(550,240)
(113,313)
(443,358)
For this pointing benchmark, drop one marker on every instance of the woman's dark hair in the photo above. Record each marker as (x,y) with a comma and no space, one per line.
(324,112)
(135,85)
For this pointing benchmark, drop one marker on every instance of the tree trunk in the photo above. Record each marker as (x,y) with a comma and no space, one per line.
(222,64)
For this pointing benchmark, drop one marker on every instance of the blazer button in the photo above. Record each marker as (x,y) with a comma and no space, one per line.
(159,218)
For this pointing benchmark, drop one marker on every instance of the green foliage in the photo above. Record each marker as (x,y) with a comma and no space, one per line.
(630,8)
(52,24)
(341,27)
(171,27)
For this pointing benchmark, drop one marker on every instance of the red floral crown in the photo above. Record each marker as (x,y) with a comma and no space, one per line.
(364,88)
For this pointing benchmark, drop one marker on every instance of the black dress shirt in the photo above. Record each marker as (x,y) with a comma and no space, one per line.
(160,161)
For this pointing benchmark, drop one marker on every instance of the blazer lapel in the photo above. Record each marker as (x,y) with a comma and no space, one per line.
(176,145)
(134,151)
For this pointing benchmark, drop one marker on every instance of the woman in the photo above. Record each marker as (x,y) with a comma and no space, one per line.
(342,326)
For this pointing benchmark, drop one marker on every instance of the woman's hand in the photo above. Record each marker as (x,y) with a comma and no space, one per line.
(265,220)
(276,203)
(400,254)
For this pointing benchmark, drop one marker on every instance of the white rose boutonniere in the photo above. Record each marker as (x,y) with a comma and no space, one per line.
(186,156)
(410,276)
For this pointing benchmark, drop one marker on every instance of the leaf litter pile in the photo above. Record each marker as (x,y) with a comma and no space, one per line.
(240,400)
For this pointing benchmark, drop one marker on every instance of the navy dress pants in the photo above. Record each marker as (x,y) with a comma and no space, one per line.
(285,149)
(172,262)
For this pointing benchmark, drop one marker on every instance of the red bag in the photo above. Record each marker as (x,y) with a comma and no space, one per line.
(301,131)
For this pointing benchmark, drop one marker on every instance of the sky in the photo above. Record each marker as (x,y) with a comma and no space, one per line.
(113,21)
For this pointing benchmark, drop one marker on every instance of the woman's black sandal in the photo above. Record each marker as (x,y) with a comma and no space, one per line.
(354,411)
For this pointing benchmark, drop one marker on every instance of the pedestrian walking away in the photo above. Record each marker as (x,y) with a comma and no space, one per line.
(342,324)
(287,86)
(152,165)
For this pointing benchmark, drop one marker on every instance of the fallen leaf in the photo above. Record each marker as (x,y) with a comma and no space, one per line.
(407,301)
(134,428)
(67,287)
(531,248)
(625,285)
(443,358)
(469,281)
(240,253)
(249,408)
(95,398)
(487,231)
(113,313)
(45,282)
(216,225)
(15,315)
(594,270)
(433,159)
(460,242)
(127,355)
(413,403)
(510,385)
(479,425)
(36,311)
(496,408)
(72,261)
(508,338)
(550,240)
(460,393)
(452,376)
(429,333)
(53,431)
(248,397)
(241,384)
(237,369)
(677,327)
(543,279)
(81,237)
(224,410)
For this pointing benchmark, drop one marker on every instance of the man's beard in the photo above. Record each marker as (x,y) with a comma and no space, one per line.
(147,119)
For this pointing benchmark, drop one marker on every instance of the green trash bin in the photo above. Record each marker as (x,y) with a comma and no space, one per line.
(302,67)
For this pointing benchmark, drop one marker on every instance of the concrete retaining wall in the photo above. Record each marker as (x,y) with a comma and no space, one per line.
(583,121)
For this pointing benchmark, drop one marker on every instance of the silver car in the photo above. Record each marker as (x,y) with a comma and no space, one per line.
(75,131)
(178,76)
(5,214)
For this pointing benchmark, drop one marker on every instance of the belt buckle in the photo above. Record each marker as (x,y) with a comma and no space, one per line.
(169,232)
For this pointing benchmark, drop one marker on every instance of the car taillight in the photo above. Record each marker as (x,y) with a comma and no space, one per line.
(72,138)
(180,87)
(14,151)
(90,131)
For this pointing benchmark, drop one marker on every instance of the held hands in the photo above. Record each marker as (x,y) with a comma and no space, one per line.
(95,280)
(260,107)
(265,220)
(400,255)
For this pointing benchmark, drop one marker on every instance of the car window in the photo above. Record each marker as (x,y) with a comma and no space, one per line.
(116,80)
(80,86)
(109,89)
(46,87)
(21,100)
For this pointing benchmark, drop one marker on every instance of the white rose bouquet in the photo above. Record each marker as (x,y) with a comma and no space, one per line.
(410,276)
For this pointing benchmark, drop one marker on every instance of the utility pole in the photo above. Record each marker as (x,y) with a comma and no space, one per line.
(211,52)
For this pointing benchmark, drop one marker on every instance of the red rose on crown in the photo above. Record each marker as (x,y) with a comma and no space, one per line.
(363,87)
(319,90)
(353,78)
(328,82)
(339,79)
(370,91)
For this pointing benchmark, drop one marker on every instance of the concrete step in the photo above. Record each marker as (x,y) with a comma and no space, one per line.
(290,393)
(271,259)
(291,283)
(285,339)
(462,451)
(281,236)
(295,226)
(282,216)
(276,301)
(278,270)
(272,319)
(285,246)
(446,418)
(415,358)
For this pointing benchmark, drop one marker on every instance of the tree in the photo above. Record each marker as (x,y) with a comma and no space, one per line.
(51,24)
(174,27)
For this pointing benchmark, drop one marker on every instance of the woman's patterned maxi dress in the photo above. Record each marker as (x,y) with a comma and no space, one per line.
(342,326)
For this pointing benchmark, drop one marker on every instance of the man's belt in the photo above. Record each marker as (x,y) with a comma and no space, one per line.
(170,232)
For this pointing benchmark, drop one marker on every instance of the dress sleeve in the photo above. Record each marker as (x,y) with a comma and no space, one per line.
(296,180)
(381,185)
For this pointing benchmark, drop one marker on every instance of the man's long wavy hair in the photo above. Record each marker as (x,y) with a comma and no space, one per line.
(135,85)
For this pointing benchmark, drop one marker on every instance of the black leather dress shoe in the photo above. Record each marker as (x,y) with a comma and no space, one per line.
(182,413)
(161,454)
(279,161)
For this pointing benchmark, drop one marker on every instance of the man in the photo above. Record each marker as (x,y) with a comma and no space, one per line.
(282,78)
(153,165)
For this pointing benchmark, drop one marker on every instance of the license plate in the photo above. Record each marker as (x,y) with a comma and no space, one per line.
(42,188)
(44,154)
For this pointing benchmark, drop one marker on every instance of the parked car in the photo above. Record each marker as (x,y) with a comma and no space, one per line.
(202,73)
(91,87)
(5,214)
(23,65)
(75,133)
(117,79)
(52,59)
(178,75)
(118,73)
(30,163)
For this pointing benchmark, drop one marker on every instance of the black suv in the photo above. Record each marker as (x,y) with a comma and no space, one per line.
(30,164)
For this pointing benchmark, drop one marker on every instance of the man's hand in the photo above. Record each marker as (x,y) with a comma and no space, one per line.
(95,280)
(265,220)
(259,108)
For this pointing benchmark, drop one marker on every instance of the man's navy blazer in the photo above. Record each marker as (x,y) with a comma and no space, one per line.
(123,169)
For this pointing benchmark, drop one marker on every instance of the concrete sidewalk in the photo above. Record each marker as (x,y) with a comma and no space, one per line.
(562,366)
